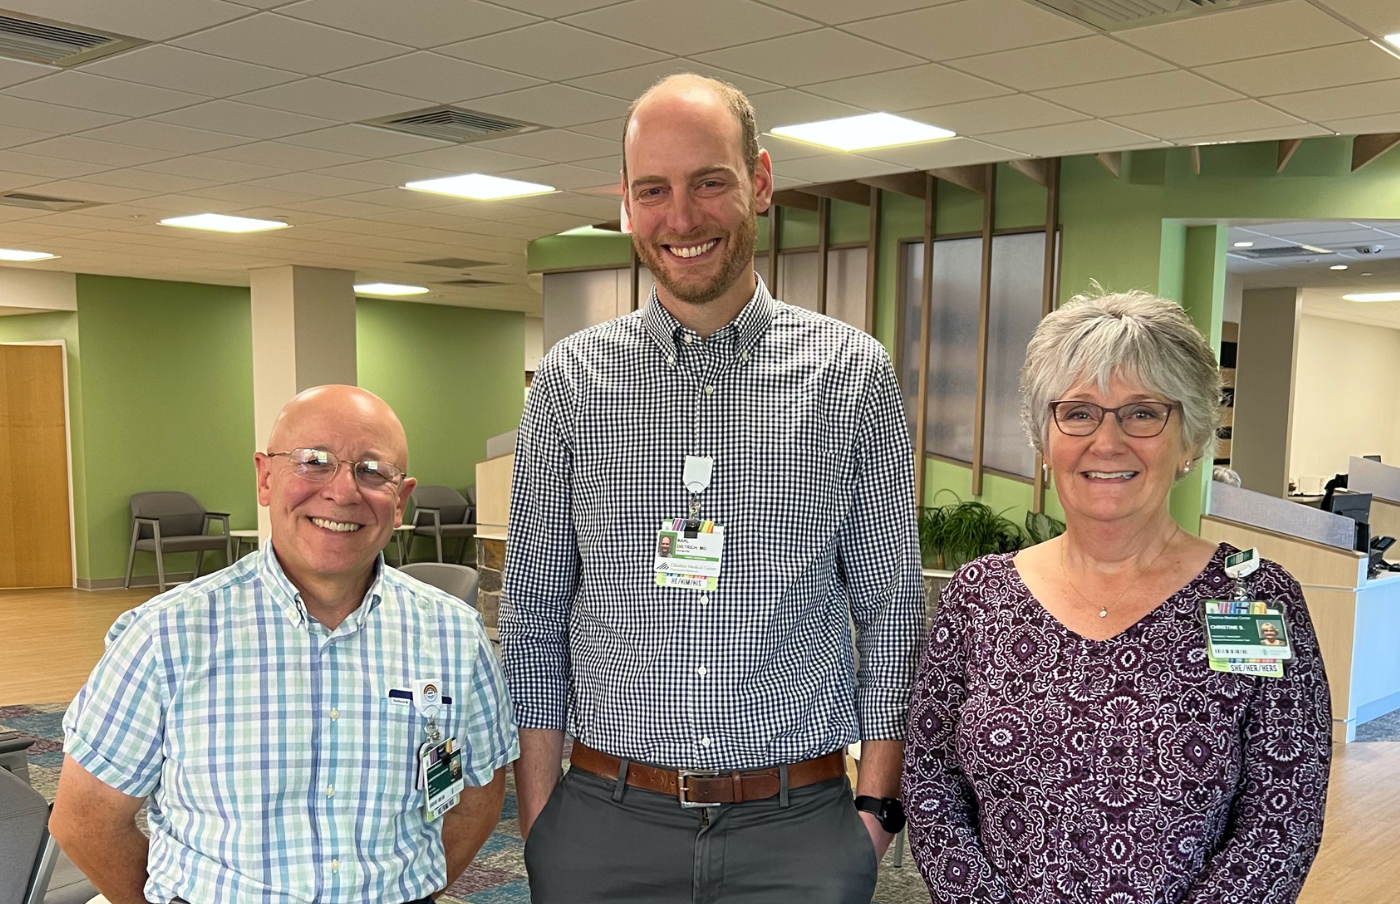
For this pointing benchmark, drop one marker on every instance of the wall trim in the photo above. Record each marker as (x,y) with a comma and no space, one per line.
(138,581)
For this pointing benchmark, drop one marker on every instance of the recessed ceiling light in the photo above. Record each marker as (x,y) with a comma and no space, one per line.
(1374,296)
(479,187)
(1337,267)
(591,230)
(1393,39)
(218,222)
(390,289)
(860,133)
(11,254)
(1368,274)
(1244,244)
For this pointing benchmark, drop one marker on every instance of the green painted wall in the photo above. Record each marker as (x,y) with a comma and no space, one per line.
(455,376)
(167,405)
(62,325)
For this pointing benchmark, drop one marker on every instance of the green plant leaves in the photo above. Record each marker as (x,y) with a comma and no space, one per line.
(952,535)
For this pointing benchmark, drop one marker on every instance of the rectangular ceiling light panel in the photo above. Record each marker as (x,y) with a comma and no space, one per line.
(859,133)
(37,40)
(217,222)
(479,187)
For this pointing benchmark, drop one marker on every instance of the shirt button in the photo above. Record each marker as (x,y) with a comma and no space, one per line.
(709,390)
(671,360)
(704,742)
(689,338)
(335,866)
(744,356)
(335,714)
(330,790)
(703,671)
(704,600)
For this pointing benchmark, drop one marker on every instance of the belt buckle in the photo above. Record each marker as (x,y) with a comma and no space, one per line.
(681,789)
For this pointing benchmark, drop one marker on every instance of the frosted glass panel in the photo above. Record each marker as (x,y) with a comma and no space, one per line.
(1018,265)
(575,301)
(797,279)
(909,345)
(952,348)
(845,286)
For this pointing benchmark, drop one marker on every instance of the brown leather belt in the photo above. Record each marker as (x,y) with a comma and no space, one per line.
(702,788)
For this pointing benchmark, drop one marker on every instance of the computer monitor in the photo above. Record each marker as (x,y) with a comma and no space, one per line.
(1357,507)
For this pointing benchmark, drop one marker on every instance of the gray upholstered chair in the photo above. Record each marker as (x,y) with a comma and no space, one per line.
(442,512)
(168,522)
(458,580)
(24,837)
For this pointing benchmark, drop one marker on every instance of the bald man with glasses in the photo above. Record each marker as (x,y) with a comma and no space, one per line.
(307,724)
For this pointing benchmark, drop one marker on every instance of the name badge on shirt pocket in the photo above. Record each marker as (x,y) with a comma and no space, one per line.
(401,697)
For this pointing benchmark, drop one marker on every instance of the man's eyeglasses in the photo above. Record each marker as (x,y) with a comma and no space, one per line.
(1139,419)
(320,466)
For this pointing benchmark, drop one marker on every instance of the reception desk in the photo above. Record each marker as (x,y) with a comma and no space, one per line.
(1357,618)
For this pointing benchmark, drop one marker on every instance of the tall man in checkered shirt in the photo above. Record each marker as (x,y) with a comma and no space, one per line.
(273,712)
(709,711)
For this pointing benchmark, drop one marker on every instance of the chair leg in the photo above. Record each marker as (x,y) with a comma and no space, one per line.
(198,562)
(899,847)
(160,568)
(131,555)
(439,546)
(228,551)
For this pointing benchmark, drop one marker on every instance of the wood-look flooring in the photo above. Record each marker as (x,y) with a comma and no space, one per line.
(51,639)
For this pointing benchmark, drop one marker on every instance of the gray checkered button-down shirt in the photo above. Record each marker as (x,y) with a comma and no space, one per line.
(813,484)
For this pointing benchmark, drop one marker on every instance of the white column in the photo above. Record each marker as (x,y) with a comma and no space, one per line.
(303,336)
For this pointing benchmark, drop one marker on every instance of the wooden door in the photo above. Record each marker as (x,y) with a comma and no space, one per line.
(34,532)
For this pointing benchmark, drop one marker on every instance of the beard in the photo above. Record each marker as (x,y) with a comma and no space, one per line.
(738,250)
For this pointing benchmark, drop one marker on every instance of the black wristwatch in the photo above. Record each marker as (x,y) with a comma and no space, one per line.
(889,813)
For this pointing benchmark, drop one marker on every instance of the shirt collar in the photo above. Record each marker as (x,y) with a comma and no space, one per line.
(288,599)
(746,328)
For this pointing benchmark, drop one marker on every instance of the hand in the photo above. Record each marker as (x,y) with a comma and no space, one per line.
(878,836)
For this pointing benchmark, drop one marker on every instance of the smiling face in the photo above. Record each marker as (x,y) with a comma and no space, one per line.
(691,197)
(1268,633)
(1108,475)
(332,530)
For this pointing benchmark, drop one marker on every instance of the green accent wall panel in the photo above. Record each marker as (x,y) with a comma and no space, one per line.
(568,252)
(455,376)
(167,405)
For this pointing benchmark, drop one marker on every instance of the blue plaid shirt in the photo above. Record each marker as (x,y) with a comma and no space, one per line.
(277,767)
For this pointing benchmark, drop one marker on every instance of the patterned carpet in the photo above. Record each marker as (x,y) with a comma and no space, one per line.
(497,876)
(1386,728)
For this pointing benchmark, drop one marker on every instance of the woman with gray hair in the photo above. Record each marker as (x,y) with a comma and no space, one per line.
(1069,739)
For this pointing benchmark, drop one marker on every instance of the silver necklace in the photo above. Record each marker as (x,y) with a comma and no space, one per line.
(1103,608)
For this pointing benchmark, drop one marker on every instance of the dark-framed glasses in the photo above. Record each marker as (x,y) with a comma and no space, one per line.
(321,466)
(1138,419)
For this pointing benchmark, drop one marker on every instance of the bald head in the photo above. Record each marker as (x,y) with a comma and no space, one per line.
(688,99)
(346,411)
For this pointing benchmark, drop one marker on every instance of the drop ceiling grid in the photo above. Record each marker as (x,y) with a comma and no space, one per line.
(264,103)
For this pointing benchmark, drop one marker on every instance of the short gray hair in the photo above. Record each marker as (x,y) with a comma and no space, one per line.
(1132,335)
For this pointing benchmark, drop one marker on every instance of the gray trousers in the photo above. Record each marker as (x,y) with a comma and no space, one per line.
(596,842)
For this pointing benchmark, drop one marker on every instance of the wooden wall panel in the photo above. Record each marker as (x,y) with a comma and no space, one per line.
(34,473)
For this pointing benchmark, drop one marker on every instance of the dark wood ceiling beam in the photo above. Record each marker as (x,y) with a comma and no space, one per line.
(911,184)
(1367,148)
(1196,159)
(1286,150)
(850,192)
(1037,170)
(1112,161)
(791,197)
(972,177)
(610,225)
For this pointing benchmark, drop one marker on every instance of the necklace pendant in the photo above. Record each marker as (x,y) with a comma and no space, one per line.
(1103,612)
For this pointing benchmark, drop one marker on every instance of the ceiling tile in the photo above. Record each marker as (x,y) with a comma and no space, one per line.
(837,167)
(314,184)
(1365,125)
(147,133)
(143,179)
(165,66)
(384,172)
(281,156)
(789,106)
(608,167)
(416,23)
(89,191)
(1305,70)
(555,144)
(1073,62)
(906,89)
(837,12)
(104,153)
(1143,94)
(336,100)
(106,95)
(1212,119)
(366,141)
(209,168)
(242,119)
(29,114)
(1090,136)
(552,51)
(438,78)
(553,9)
(39,165)
(1330,104)
(273,40)
(969,28)
(551,105)
(631,82)
(782,149)
(559,175)
(812,56)
(995,114)
(1237,136)
(138,18)
(1241,33)
(12,72)
(468,159)
(952,152)
(1382,17)
(653,23)
(11,136)
(239,196)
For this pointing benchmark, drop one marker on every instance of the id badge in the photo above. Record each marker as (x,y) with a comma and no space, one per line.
(1243,629)
(691,563)
(440,773)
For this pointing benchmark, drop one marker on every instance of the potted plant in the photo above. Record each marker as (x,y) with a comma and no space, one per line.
(954,534)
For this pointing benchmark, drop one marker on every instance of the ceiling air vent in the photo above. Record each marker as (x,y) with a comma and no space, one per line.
(1282,251)
(452,124)
(454,263)
(55,43)
(43,202)
(1119,14)
(471,282)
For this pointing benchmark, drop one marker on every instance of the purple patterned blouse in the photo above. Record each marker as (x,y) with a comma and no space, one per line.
(1043,768)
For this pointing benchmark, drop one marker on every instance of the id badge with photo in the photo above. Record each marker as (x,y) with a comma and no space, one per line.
(440,776)
(1246,637)
(689,559)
